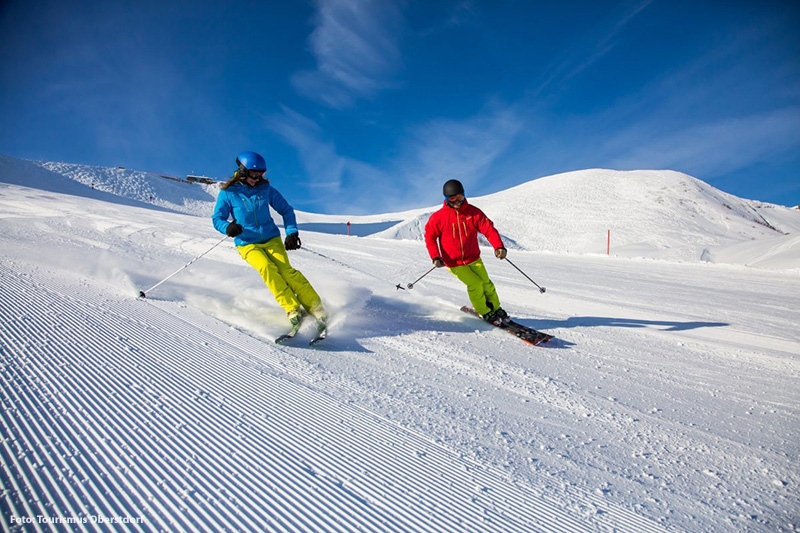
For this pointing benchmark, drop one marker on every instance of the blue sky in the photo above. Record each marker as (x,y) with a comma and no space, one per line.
(369,106)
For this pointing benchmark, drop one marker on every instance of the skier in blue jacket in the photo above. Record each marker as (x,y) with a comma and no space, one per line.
(246,198)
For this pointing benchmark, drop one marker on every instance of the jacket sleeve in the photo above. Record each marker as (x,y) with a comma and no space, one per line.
(282,207)
(222,211)
(432,234)
(486,227)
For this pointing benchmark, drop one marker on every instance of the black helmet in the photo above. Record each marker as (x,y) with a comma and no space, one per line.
(452,187)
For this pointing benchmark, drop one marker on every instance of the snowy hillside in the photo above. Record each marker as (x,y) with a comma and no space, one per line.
(668,401)
(105,182)
(650,214)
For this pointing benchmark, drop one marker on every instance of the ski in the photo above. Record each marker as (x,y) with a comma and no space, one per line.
(524,333)
(287,336)
(292,332)
(321,333)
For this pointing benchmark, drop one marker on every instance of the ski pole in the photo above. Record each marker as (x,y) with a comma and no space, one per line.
(411,285)
(142,293)
(541,289)
(307,249)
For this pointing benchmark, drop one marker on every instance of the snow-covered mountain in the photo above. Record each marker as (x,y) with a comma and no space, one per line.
(667,402)
(650,214)
(646,214)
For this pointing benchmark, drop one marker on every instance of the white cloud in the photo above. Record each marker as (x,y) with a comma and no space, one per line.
(586,51)
(461,149)
(714,148)
(322,164)
(435,152)
(347,184)
(355,44)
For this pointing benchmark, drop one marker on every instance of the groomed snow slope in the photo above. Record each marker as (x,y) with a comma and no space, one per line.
(668,401)
(153,413)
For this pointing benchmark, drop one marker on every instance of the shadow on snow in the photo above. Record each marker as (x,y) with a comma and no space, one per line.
(602,321)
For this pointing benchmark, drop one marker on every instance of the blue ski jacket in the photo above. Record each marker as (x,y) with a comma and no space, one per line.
(249,207)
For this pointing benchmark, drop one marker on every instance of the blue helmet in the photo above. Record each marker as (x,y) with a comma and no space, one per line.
(251,161)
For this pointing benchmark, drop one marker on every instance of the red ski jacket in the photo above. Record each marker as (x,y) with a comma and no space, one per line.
(452,234)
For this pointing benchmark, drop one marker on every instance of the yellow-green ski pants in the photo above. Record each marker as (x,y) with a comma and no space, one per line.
(289,286)
(479,287)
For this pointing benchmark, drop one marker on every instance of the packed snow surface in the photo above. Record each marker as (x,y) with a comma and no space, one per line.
(667,402)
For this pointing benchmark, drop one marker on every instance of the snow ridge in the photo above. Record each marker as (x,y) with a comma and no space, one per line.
(173,194)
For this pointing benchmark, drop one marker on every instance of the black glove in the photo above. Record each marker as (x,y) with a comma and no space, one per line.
(292,241)
(438,262)
(501,253)
(233,229)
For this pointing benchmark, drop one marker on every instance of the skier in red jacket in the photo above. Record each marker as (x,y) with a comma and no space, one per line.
(451,236)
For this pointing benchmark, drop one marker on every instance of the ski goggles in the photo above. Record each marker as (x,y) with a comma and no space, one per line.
(254,174)
(456,198)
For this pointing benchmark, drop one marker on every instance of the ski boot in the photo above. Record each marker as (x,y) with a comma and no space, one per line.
(497,317)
